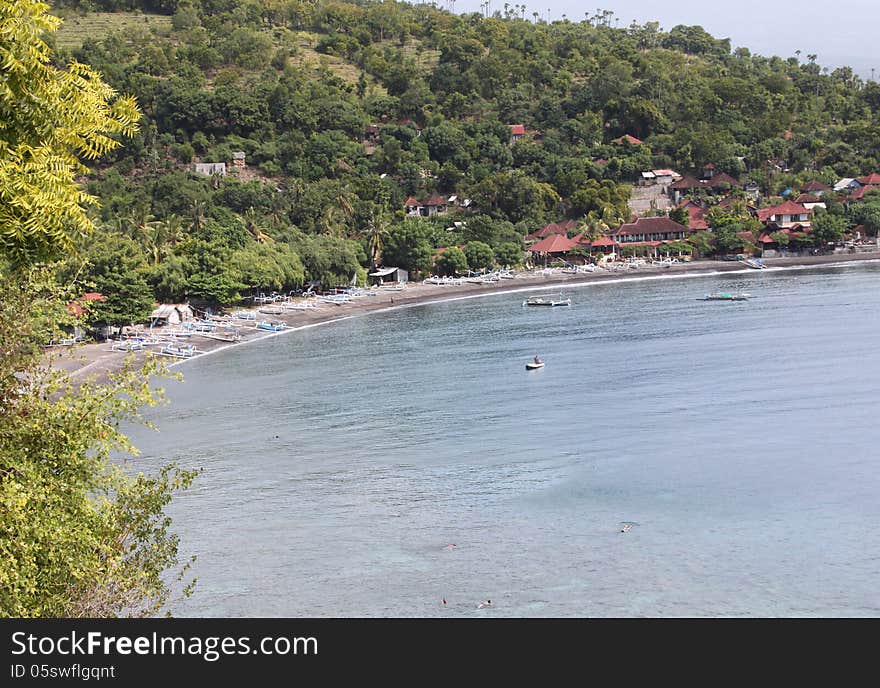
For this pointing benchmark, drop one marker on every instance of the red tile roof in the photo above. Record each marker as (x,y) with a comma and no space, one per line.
(861,191)
(517,129)
(602,241)
(433,200)
(871,179)
(651,225)
(686,183)
(556,243)
(814,186)
(632,139)
(697,218)
(722,178)
(787,208)
(410,202)
(806,198)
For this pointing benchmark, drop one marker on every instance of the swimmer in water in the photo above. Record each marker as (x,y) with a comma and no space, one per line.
(451,547)
(626,527)
(443,601)
(487,603)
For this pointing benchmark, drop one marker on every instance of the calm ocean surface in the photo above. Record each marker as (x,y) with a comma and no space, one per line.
(740,438)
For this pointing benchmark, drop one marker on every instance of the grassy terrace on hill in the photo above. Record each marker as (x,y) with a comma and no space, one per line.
(426,59)
(78,27)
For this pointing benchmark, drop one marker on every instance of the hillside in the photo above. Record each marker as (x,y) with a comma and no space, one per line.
(347,109)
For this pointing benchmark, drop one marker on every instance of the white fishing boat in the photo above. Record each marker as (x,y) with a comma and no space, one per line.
(726,296)
(541,301)
(535,364)
(178,351)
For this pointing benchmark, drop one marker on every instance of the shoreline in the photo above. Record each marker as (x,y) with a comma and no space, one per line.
(96,359)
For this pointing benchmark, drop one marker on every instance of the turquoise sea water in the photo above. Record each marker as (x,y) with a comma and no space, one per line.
(739,438)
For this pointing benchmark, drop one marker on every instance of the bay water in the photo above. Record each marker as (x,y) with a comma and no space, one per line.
(675,457)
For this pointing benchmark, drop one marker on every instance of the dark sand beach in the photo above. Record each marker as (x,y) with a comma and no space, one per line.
(98,359)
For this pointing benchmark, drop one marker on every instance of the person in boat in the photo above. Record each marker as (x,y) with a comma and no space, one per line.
(537,360)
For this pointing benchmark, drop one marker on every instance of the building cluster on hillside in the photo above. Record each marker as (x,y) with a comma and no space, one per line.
(655,236)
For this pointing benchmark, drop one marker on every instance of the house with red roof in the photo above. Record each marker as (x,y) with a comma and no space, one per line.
(432,205)
(809,202)
(815,188)
(517,131)
(858,193)
(629,139)
(553,245)
(561,227)
(787,214)
(870,180)
(650,231)
(719,182)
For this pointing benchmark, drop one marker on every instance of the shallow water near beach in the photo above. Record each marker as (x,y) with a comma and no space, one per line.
(739,441)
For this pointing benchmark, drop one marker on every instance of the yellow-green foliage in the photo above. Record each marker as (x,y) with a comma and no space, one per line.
(50,119)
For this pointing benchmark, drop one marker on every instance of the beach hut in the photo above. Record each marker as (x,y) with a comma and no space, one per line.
(557,244)
(171,314)
(389,275)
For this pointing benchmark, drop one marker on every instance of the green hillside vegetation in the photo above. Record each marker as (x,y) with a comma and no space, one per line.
(78,27)
(296,85)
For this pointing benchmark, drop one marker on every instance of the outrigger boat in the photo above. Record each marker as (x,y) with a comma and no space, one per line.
(726,296)
(541,301)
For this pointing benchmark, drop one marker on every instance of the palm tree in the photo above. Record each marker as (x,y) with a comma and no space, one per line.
(162,236)
(141,224)
(377,233)
(254,225)
(197,211)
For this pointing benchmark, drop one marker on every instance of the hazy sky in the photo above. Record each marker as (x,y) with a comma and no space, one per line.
(845,34)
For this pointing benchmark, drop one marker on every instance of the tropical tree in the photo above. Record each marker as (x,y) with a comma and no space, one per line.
(452,261)
(376,235)
(53,117)
(80,536)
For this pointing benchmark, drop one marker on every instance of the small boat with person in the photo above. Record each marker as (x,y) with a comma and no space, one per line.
(535,364)
(541,301)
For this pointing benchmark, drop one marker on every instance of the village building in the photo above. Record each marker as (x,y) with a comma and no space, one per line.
(553,245)
(661,177)
(561,228)
(389,275)
(629,139)
(238,160)
(171,314)
(517,131)
(432,205)
(786,215)
(210,168)
(815,188)
(717,183)
(809,202)
(649,231)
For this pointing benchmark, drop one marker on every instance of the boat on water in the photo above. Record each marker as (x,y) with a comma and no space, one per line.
(541,301)
(726,296)
(535,364)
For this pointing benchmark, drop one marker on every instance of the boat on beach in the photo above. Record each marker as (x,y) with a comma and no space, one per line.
(755,263)
(541,301)
(270,326)
(726,296)
(178,351)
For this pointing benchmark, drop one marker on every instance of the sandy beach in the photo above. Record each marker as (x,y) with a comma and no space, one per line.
(98,359)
